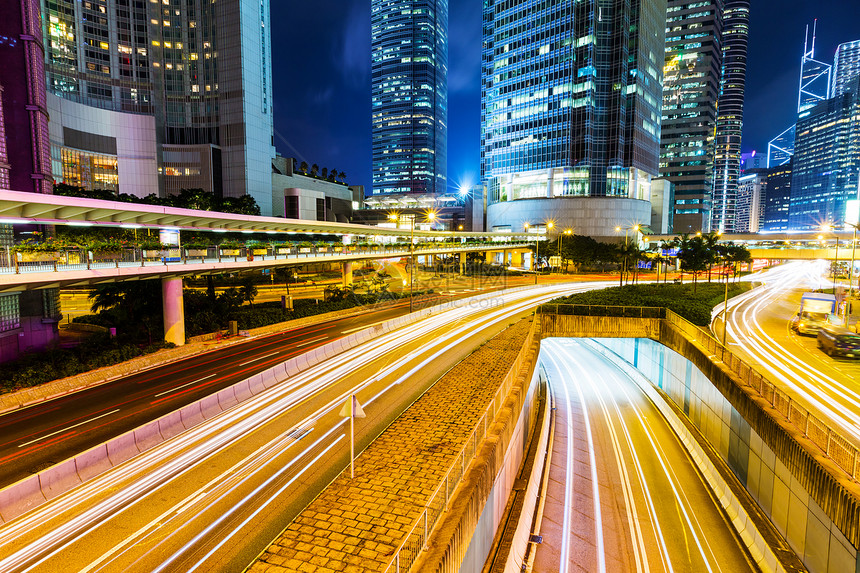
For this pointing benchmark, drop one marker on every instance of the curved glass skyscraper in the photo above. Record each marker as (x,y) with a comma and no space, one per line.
(409,48)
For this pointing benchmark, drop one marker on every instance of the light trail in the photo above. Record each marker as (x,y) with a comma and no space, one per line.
(836,399)
(75,515)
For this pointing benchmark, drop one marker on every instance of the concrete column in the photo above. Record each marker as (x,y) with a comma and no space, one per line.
(462,263)
(488,257)
(347,273)
(174,310)
(517,259)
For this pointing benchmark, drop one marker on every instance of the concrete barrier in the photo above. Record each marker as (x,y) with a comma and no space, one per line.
(122,448)
(209,406)
(191,415)
(92,462)
(227,398)
(26,495)
(59,479)
(147,436)
(170,425)
(243,390)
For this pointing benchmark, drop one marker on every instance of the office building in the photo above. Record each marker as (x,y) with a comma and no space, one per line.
(753,160)
(730,117)
(691,85)
(409,96)
(777,199)
(781,148)
(28,320)
(826,166)
(153,97)
(308,193)
(570,113)
(750,204)
(846,66)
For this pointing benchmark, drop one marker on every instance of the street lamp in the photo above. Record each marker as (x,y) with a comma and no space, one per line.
(537,246)
(566,232)
(828,228)
(394,217)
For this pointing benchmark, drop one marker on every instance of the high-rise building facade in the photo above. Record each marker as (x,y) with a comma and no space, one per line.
(777,199)
(826,164)
(846,66)
(161,95)
(750,203)
(409,96)
(570,113)
(730,117)
(691,85)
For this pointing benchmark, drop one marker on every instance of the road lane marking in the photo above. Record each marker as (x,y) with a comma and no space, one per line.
(184,385)
(69,428)
(365,326)
(257,359)
(311,341)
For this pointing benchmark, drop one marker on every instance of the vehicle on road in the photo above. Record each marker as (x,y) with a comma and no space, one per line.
(815,312)
(839,341)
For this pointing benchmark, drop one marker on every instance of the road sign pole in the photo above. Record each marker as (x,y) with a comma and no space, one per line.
(352,436)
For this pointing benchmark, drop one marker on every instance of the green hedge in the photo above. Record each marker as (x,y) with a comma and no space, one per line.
(678,298)
(97,351)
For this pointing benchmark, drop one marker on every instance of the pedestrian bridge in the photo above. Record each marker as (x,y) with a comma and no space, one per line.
(783,246)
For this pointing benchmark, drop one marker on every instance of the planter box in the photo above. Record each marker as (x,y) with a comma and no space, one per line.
(284,250)
(322,249)
(199,253)
(304,249)
(338,249)
(38,257)
(260,251)
(154,254)
(107,255)
(230,252)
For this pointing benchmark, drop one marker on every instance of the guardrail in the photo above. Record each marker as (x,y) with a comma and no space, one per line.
(16,262)
(832,443)
(415,541)
(602,310)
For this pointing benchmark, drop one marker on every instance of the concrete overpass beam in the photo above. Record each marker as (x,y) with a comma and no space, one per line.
(174,310)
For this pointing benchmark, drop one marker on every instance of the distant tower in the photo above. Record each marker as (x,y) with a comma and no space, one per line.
(409,96)
(814,76)
(846,65)
(730,117)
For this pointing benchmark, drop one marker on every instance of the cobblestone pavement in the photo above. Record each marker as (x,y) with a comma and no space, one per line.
(356,525)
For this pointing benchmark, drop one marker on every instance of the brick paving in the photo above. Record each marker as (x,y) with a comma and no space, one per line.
(356,525)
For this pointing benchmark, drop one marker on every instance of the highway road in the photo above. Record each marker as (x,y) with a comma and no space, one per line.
(759,333)
(211,498)
(622,495)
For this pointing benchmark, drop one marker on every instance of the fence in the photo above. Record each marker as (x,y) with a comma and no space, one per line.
(416,539)
(832,443)
(16,262)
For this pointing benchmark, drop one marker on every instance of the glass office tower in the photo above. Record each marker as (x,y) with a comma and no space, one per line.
(846,66)
(181,88)
(777,198)
(691,85)
(409,96)
(730,119)
(570,114)
(826,169)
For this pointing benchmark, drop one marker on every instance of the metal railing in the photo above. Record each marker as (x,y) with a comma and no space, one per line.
(603,310)
(833,444)
(76,259)
(416,540)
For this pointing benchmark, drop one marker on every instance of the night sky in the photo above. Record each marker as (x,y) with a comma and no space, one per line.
(321,55)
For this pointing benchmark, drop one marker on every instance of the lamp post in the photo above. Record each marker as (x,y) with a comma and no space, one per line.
(566,232)
(537,246)
(411,217)
(829,228)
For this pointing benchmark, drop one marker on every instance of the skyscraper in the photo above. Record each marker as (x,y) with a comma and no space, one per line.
(570,114)
(777,198)
(826,169)
(750,202)
(814,76)
(846,65)
(730,118)
(409,96)
(691,85)
(161,95)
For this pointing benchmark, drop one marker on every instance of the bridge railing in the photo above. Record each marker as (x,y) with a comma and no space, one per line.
(74,259)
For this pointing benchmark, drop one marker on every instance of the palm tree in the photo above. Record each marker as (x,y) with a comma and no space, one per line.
(304,167)
(711,242)
(325,172)
(342,177)
(315,170)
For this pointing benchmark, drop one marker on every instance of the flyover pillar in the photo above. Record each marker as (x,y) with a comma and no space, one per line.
(462,263)
(347,273)
(174,310)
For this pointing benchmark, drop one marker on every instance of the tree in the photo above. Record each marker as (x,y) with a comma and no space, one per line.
(304,167)
(342,177)
(711,243)
(315,170)
(693,255)
(196,198)
(244,205)
(248,290)
(325,172)
(132,304)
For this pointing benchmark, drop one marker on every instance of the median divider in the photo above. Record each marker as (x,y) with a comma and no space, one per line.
(27,494)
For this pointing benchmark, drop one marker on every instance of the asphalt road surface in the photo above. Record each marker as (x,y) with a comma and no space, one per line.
(622,495)
(214,496)
(759,333)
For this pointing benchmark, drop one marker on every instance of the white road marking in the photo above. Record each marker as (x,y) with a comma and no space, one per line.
(260,358)
(311,341)
(68,428)
(363,327)
(184,385)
